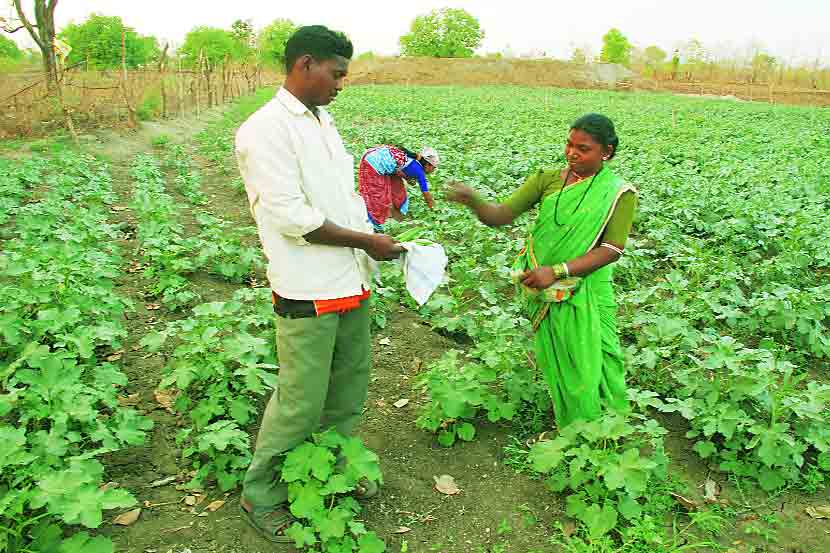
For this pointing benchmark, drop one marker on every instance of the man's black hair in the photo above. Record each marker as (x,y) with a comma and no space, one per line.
(320,42)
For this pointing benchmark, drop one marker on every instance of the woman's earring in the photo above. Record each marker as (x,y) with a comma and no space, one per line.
(605,158)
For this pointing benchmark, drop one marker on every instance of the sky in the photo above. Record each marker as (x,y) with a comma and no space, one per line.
(795,30)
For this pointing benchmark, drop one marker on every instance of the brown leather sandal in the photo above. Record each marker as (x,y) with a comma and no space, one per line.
(271,523)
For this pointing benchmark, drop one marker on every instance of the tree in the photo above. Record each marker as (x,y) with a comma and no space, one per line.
(615,48)
(675,63)
(98,42)
(10,55)
(580,56)
(242,32)
(763,65)
(271,42)
(206,48)
(654,57)
(210,44)
(9,50)
(444,33)
(42,32)
(695,57)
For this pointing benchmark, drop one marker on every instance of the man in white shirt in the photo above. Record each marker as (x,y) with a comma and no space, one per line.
(321,255)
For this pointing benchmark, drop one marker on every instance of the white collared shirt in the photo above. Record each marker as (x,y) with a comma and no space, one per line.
(297,175)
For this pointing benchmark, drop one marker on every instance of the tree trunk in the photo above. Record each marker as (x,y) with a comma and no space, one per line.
(124,87)
(180,78)
(225,78)
(162,68)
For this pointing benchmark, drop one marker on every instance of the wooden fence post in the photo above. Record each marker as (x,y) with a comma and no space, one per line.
(124,89)
(162,68)
(198,82)
(180,88)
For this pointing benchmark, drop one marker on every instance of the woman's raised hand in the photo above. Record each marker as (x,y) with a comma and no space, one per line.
(460,193)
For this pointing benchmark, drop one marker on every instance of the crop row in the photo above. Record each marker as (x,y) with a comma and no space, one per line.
(60,320)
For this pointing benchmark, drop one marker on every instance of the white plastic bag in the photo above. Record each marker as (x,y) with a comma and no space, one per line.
(424,265)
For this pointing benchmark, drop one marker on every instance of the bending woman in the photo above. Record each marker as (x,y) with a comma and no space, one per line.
(381,177)
(585,216)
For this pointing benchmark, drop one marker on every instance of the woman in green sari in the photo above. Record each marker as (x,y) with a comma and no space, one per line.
(566,268)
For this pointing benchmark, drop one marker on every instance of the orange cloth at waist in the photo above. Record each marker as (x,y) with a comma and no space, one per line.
(337,305)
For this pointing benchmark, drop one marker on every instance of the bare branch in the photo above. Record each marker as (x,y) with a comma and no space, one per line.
(10,30)
(29,27)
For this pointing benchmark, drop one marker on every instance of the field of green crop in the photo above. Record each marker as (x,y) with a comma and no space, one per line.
(111,262)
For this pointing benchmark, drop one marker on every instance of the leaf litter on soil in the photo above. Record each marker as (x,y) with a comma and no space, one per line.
(446,485)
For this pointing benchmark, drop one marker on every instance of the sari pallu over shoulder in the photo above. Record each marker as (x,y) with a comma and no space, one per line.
(571,230)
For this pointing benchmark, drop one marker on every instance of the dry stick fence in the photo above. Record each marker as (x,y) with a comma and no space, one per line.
(761,92)
(96,98)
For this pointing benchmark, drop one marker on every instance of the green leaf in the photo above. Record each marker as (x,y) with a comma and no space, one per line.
(629,507)
(153,340)
(599,521)
(342,545)
(705,449)
(360,461)
(466,431)
(575,506)
(14,451)
(333,524)
(306,500)
(770,479)
(86,505)
(546,455)
(446,438)
(336,484)
(557,482)
(330,439)
(302,535)
(349,503)
(221,435)
(357,528)
(48,538)
(83,543)
(240,409)
(629,471)
(370,543)
(305,460)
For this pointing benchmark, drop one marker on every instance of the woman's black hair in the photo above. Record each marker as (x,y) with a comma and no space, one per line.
(408,152)
(600,128)
(320,42)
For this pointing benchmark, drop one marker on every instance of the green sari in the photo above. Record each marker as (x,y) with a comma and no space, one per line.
(577,346)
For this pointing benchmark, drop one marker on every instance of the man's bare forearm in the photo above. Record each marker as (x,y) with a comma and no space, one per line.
(379,246)
(331,234)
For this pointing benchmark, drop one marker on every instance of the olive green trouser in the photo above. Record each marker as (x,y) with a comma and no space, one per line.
(322,383)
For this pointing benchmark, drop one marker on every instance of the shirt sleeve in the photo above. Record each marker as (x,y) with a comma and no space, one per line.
(526,196)
(271,172)
(619,227)
(413,169)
